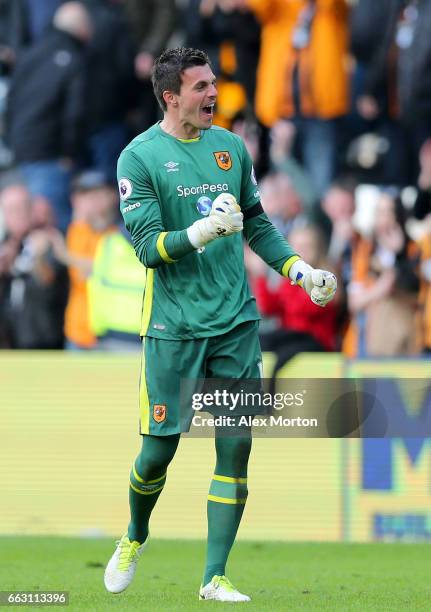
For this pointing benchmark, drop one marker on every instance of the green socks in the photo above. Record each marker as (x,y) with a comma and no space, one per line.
(226,499)
(226,502)
(147,479)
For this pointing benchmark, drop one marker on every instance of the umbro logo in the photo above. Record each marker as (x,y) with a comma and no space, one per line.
(172,166)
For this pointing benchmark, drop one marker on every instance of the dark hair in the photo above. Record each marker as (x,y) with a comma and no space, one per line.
(344,182)
(400,212)
(169,67)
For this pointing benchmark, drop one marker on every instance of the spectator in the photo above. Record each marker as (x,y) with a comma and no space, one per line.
(304,46)
(94,205)
(229,33)
(205,27)
(15,213)
(14,33)
(382,295)
(365,40)
(422,205)
(14,36)
(397,86)
(302,326)
(46,133)
(281,201)
(244,34)
(338,206)
(422,211)
(425,291)
(282,138)
(367,21)
(42,215)
(110,85)
(34,284)
(151,23)
(247,128)
(40,16)
(115,291)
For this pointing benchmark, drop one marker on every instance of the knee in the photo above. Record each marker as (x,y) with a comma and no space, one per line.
(155,456)
(149,468)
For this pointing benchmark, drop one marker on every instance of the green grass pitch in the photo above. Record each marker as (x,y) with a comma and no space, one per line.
(288,576)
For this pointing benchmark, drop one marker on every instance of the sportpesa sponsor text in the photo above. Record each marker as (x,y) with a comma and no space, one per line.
(184,192)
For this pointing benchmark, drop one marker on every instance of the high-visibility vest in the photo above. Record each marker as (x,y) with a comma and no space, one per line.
(116,287)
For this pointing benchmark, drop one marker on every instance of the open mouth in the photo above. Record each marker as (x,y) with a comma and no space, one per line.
(208,110)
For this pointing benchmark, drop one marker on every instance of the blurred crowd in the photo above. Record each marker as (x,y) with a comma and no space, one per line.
(333,101)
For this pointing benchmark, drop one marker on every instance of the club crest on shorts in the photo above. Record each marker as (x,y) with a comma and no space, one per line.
(223,159)
(159,413)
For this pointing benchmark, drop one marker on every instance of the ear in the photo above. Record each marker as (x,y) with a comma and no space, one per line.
(170,98)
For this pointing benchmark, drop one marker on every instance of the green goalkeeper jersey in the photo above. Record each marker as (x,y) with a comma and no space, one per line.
(166,184)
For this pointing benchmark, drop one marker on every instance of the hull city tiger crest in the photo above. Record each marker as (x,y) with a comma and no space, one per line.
(223,159)
(159,413)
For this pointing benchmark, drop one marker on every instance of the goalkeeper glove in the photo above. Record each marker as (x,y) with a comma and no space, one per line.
(319,284)
(225,219)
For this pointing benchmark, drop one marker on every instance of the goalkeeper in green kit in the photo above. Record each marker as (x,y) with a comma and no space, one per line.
(188,195)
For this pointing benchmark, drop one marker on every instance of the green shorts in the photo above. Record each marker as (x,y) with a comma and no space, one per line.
(165,363)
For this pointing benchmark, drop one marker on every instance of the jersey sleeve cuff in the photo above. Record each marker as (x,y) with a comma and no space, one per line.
(288,264)
(161,249)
